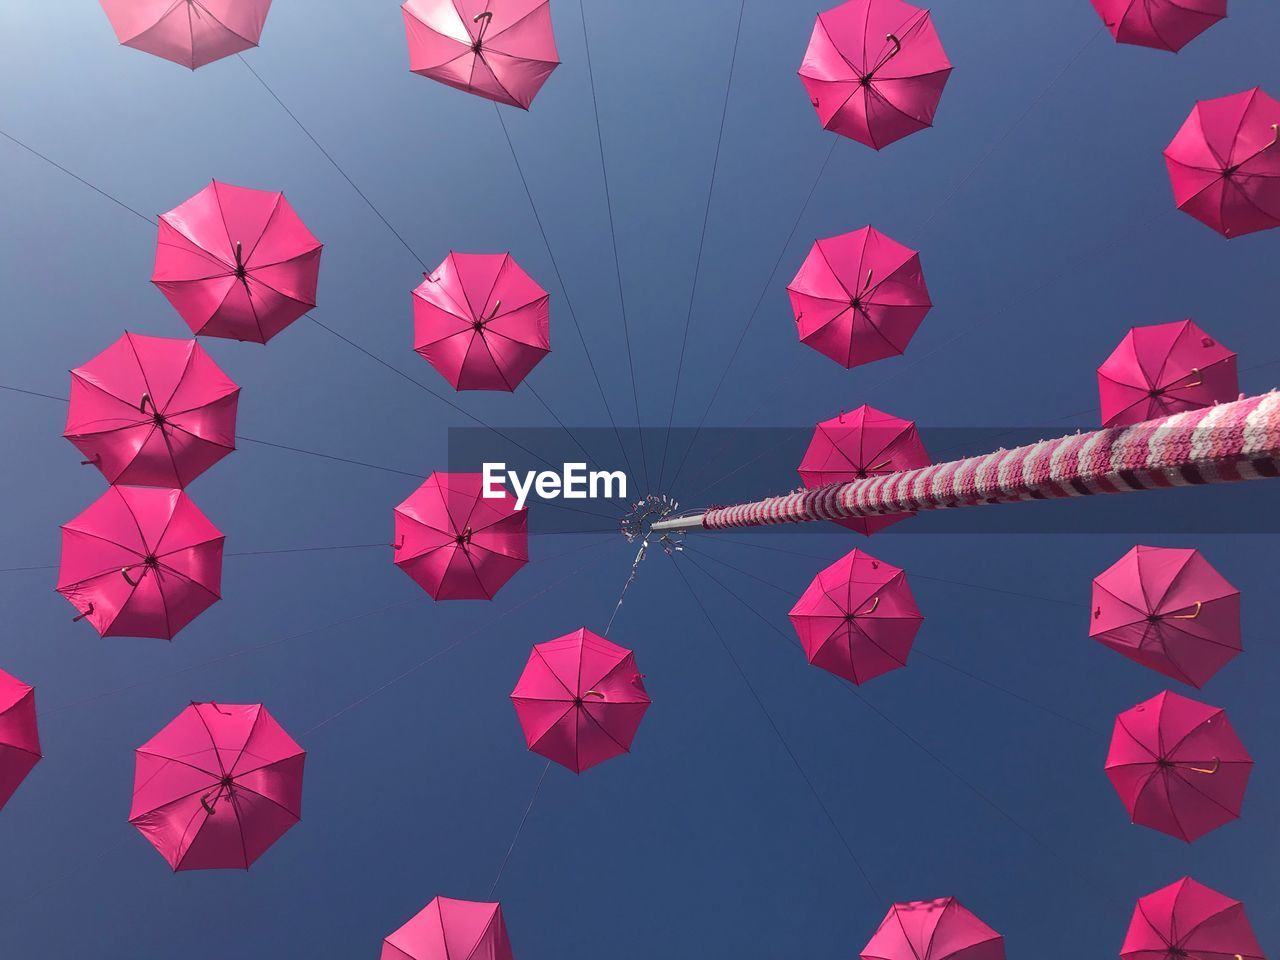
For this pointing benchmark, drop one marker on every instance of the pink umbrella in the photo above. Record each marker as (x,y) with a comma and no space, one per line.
(481,321)
(859,297)
(237,263)
(501,50)
(141,562)
(857,619)
(863,443)
(1169,610)
(456,543)
(933,930)
(1224,164)
(580,700)
(189,32)
(1189,921)
(19,739)
(1164,369)
(1178,766)
(152,411)
(451,930)
(217,786)
(1162,24)
(875,70)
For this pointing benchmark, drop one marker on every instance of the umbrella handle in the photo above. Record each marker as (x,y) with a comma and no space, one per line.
(593,693)
(867,286)
(875,602)
(204,802)
(87,613)
(397,546)
(94,459)
(1188,616)
(1275,129)
(142,405)
(882,463)
(240,271)
(897,48)
(487,17)
(1208,771)
(124,572)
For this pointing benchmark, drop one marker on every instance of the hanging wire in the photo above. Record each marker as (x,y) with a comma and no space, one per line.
(564,290)
(917,652)
(275,642)
(75,176)
(1004,136)
(764,290)
(537,788)
(451,647)
(360,463)
(394,369)
(948,768)
(702,240)
(613,234)
(332,162)
(862,870)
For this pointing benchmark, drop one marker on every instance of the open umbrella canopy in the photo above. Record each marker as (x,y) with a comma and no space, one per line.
(1224,163)
(140,562)
(152,411)
(189,32)
(1178,766)
(859,297)
(580,700)
(456,543)
(217,786)
(1188,921)
(933,930)
(448,929)
(857,619)
(481,321)
(502,50)
(1162,24)
(19,738)
(237,263)
(862,443)
(1170,610)
(1162,369)
(875,70)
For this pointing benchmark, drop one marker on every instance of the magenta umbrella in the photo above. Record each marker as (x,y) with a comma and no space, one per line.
(141,562)
(1178,766)
(1224,164)
(189,32)
(456,543)
(481,321)
(854,446)
(857,619)
(217,786)
(1170,610)
(152,411)
(1163,369)
(19,737)
(859,297)
(933,930)
(580,700)
(501,50)
(237,263)
(1188,921)
(448,929)
(875,70)
(1161,24)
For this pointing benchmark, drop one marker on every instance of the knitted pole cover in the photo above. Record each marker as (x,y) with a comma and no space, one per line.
(1219,444)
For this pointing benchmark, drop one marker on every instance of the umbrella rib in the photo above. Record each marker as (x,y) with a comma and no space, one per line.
(235,809)
(217,754)
(551,671)
(253,727)
(275,803)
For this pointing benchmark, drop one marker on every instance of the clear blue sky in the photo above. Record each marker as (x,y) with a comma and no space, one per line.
(1043,238)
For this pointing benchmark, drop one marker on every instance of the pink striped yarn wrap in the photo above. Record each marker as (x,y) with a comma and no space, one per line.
(1219,444)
